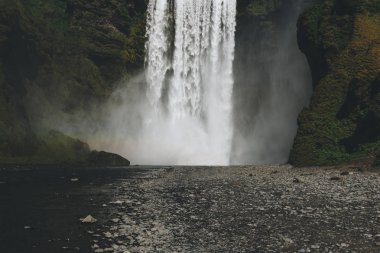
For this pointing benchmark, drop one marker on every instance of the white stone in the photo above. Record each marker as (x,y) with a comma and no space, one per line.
(88,219)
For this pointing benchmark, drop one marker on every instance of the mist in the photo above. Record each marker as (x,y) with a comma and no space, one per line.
(183,113)
(272,85)
(233,101)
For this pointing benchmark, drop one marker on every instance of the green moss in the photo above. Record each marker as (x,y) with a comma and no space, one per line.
(311,19)
(262,7)
(52,147)
(53,12)
(342,122)
(72,52)
(55,147)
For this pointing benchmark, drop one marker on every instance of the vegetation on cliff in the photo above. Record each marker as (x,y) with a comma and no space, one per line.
(341,39)
(72,52)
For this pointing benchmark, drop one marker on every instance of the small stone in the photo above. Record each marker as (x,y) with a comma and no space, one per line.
(104,205)
(335,178)
(377,244)
(315,246)
(296,180)
(117,202)
(88,219)
(343,245)
(287,240)
(74,179)
(99,251)
(108,234)
(116,220)
(27,227)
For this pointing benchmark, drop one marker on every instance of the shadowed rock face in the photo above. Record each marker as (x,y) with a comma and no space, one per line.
(106,159)
(341,40)
(61,56)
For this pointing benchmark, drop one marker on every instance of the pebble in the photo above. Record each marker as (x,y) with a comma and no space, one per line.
(117,202)
(203,207)
(287,240)
(108,234)
(74,179)
(88,219)
(296,180)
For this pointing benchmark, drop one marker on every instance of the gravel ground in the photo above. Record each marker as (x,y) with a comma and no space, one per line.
(244,209)
(191,209)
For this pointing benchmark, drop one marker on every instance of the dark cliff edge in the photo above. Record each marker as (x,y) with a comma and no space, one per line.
(65,54)
(341,39)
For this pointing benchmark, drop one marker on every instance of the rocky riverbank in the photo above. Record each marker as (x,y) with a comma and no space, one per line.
(219,209)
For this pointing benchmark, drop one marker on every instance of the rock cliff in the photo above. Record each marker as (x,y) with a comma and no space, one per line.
(65,54)
(341,39)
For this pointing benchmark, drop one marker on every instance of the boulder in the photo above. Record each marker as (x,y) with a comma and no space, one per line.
(101,158)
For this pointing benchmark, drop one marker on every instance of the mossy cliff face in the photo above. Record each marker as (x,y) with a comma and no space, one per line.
(71,51)
(341,39)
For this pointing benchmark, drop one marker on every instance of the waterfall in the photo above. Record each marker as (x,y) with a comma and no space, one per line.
(189,74)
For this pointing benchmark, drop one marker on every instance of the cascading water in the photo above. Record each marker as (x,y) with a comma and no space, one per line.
(189,77)
(179,111)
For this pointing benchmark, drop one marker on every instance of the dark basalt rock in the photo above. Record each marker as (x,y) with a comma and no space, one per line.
(101,158)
